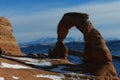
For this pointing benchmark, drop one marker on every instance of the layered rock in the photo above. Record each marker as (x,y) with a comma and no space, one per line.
(95,50)
(96,54)
(8,44)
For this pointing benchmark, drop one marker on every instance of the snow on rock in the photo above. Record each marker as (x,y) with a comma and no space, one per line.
(29,59)
(41,63)
(1,78)
(16,66)
(14,77)
(53,77)
(74,76)
(37,62)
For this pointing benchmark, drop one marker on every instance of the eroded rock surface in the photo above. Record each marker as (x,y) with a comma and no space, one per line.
(96,54)
(8,44)
(95,50)
(60,51)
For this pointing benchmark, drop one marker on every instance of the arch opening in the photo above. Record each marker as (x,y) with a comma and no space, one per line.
(96,54)
(75,34)
(92,37)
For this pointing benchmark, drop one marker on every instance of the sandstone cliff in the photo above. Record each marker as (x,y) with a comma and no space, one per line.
(8,44)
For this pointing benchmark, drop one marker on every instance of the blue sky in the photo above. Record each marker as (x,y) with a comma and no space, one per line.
(34,19)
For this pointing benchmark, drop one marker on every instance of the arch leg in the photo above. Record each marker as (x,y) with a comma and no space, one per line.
(60,50)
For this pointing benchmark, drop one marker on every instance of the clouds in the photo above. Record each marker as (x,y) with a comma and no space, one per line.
(35,23)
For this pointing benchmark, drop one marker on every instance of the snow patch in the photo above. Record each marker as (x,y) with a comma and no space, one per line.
(14,77)
(53,77)
(74,76)
(16,66)
(41,63)
(36,62)
(1,78)
(29,59)
(77,76)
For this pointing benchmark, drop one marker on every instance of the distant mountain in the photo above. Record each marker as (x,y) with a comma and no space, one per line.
(52,40)
(46,41)
(112,39)
(114,47)
(43,41)
(43,48)
(36,48)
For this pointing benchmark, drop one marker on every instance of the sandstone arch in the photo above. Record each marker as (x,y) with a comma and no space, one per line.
(92,37)
(96,54)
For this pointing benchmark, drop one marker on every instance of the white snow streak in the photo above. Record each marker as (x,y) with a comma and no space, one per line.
(16,66)
(1,78)
(37,62)
(29,59)
(14,77)
(53,77)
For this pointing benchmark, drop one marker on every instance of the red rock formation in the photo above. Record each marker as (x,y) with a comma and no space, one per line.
(8,44)
(95,50)
(105,71)
(96,54)
(60,51)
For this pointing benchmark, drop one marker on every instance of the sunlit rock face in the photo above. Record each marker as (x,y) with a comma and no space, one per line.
(97,59)
(95,50)
(8,44)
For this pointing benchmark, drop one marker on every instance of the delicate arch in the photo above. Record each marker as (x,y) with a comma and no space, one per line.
(70,20)
(95,50)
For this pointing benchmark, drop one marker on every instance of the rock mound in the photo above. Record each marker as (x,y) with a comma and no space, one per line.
(8,44)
